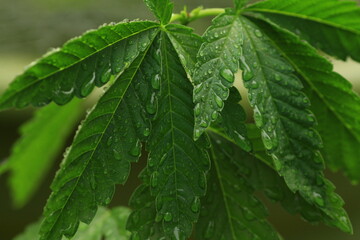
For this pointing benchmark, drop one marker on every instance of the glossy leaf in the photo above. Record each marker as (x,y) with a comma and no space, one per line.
(81,64)
(331,25)
(218,61)
(186,44)
(231,122)
(162,9)
(101,154)
(231,211)
(264,177)
(282,113)
(334,103)
(33,154)
(176,163)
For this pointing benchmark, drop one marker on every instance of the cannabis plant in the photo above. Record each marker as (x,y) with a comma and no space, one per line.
(170,95)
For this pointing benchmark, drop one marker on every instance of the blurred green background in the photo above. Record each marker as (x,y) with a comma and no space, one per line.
(28,28)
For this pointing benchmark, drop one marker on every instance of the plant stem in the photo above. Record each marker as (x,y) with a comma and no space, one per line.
(185,17)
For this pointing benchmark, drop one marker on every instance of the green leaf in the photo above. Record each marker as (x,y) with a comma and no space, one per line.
(142,221)
(231,123)
(186,44)
(162,9)
(41,139)
(217,64)
(334,103)
(263,177)
(331,25)
(281,112)
(108,224)
(81,64)
(176,163)
(103,149)
(231,211)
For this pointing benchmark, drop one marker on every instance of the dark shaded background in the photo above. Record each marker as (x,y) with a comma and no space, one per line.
(28,28)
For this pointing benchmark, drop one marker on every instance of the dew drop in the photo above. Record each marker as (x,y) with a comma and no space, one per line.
(227,74)
(258,117)
(163,158)
(258,33)
(146,132)
(154,179)
(277,77)
(151,106)
(197,133)
(197,110)
(204,124)
(202,181)
(158,217)
(198,88)
(168,217)
(87,87)
(267,140)
(107,200)
(195,206)
(318,199)
(210,230)
(135,151)
(117,155)
(155,81)
(219,102)
(248,214)
(110,141)
(106,76)
(214,115)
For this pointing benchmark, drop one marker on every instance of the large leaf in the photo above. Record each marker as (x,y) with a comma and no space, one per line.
(331,25)
(263,176)
(334,103)
(162,9)
(81,64)
(231,122)
(281,112)
(231,211)
(217,64)
(33,154)
(176,163)
(100,156)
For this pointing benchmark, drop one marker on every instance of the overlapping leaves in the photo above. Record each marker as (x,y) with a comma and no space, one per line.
(331,25)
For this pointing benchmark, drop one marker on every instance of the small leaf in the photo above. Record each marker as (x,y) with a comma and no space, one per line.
(331,25)
(101,154)
(334,103)
(81,64)
(230,210)
(176,163)
(218,61)
(162,9)
(33,154)
(281,112)
(231,123)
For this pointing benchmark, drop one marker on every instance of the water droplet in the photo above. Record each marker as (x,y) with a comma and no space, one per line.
(154,179)
(87,87)
(168,217)
(146,132)
(158,217)
(214,115)
(318,199)
(228,75)
(197,110)
(106,76)
(135,151)
(210,230)
(107,200)
(204,124)
(277,77)
(258,117)
(254,85)
(277,163)
(109,141)
(267,140)
(258,33)
(247,72)
(117,155)
(155,81)
(219,102)
(195,206)
(151,106)
(244,143)
(248,214)
(198,88)
(202,181)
